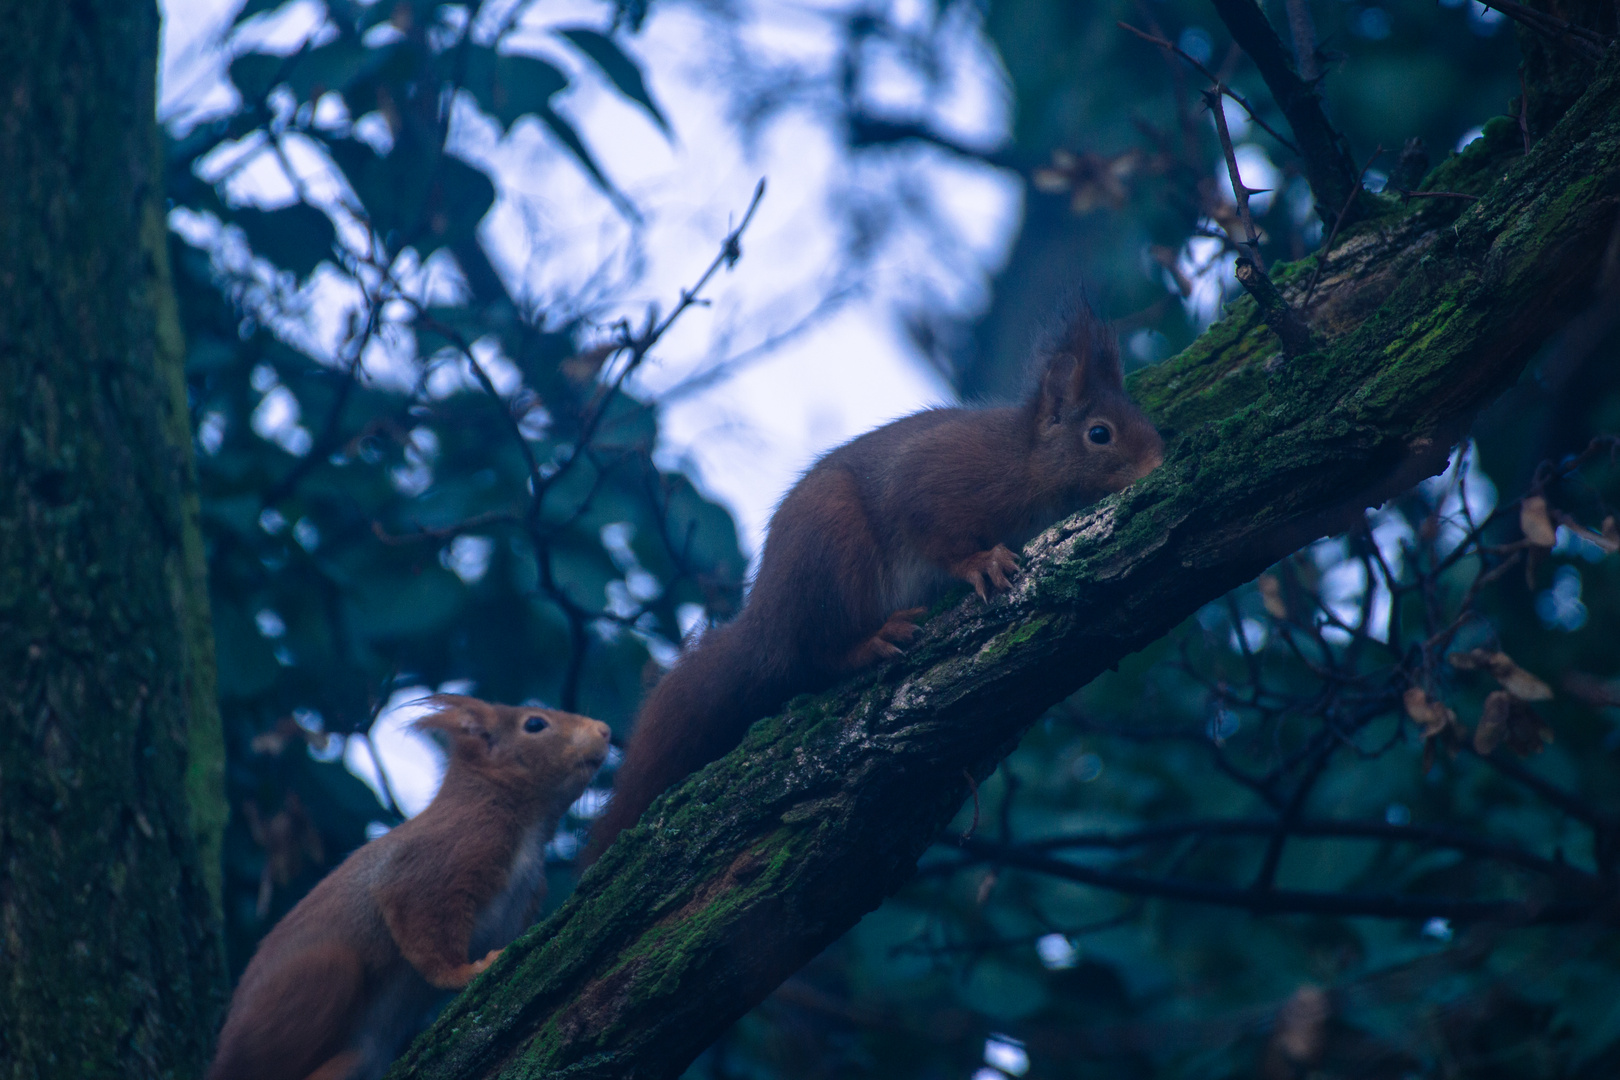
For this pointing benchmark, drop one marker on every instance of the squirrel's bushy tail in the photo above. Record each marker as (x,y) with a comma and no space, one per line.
(285,1022)
(696,713)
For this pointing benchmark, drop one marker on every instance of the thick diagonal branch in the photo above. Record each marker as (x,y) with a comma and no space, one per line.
(738,876)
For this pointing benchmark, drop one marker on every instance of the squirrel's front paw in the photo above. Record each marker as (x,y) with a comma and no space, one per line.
(988,571)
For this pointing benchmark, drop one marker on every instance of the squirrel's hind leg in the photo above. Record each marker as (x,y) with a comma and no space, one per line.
(899,628)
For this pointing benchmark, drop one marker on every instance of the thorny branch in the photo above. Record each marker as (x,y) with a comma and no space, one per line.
(1321,147)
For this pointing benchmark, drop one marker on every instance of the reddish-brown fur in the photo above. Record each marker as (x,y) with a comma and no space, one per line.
(340,983)
(874,529)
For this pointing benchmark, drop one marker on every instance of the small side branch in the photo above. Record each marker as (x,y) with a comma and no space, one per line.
(1283,319)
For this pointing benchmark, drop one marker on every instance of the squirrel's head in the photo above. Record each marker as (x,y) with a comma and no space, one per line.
(526,747)
(1090,438)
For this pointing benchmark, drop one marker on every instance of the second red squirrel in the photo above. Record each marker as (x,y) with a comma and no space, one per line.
(873,531)
(356,968)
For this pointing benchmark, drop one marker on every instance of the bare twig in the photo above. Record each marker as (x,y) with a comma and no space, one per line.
(1243,102)
(1286,901)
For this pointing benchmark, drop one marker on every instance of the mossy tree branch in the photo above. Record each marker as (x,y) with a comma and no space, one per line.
(1424,313)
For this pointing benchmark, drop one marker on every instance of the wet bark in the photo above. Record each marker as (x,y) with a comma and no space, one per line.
(1424,312)
(111,801)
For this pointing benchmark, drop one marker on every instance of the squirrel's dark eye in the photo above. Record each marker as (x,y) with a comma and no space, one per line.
(1099,434)
(535,723)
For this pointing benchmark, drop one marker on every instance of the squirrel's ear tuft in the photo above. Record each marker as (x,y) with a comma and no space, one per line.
(458,717)
(1095,351)
(1081,360)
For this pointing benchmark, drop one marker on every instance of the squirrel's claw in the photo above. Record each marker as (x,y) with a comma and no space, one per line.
(989,572)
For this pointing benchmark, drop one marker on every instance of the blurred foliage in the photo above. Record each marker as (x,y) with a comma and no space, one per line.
(446,488)
(427,481)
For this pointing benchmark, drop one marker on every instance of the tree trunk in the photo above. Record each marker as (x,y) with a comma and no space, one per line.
(111,757)
(1425,311)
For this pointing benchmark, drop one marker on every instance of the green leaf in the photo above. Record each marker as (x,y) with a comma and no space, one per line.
(618,67)
(369,175)
(391,607)
(1001,991)
(510,86)
(460,198)
(333,66)
(255,75)
(295,238)
(565,132)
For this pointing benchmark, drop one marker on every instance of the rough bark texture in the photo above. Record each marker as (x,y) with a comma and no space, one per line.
(110,746)
(1423,314)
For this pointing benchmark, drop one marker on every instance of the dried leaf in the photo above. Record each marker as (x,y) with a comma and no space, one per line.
(1271,596)
(287,730)
(1437,723)
(269,743)
(1514,679)
(1433,717)
(1093,180)
(1506,719)
(1302,1025)
(1537,525)
(1493,721)
(987,885)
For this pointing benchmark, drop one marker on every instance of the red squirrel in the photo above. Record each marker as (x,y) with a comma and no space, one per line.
(874,530)
(356,968)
